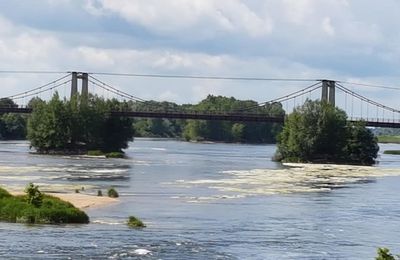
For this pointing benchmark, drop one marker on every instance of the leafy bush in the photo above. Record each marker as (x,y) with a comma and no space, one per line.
(384,254)
(34,196)
(99,193)
(134,222)
(21,209)
(112,193)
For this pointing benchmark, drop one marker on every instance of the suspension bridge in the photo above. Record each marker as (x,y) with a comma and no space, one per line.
(357,106)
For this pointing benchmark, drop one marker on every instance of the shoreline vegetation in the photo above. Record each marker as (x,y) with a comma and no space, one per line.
(78,125)
(34,207)
(318,132)
(392,152)
(79,200)
(386,139)
(83,123)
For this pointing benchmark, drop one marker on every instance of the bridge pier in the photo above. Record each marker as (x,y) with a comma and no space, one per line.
(328,91)
(74,83)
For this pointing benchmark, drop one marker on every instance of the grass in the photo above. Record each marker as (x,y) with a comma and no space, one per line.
(52,210)
(389,139)
(95,153)
(134,222)
(394,152)
(107,155)
(115,155)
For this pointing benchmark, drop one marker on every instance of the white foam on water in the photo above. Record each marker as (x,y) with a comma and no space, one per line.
(106,222)
(297,178)
(158,149)
(17,169)
(141,251)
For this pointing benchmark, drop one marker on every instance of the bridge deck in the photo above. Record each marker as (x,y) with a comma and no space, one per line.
(205,116)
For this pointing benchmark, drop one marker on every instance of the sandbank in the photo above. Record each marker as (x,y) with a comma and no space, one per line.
(81,201)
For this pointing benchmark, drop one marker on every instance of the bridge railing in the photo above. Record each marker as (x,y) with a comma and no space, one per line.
(375,119)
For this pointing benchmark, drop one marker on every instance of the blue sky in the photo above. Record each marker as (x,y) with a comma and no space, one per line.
(353,40)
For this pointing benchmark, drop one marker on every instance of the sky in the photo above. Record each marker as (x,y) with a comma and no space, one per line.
(348,40)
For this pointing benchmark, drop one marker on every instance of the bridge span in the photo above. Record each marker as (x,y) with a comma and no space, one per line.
(234,117)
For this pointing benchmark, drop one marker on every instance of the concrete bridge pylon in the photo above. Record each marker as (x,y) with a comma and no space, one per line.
(328,91)
(74,83)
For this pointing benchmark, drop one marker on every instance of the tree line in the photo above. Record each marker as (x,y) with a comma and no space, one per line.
(84,123)
(203,130)
(314,132)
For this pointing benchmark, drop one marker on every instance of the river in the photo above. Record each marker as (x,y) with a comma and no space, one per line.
(207,201)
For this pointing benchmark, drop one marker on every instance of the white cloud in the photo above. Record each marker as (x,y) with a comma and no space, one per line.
(202,17)
(269,38)
(327,26)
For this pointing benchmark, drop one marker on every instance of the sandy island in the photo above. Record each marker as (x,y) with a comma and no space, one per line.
(79,200)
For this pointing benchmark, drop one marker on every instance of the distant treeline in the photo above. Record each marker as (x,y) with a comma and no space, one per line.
(202,130)
(14,126)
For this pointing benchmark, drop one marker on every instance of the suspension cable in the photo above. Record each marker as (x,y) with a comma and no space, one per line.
(117,90)
(35,89)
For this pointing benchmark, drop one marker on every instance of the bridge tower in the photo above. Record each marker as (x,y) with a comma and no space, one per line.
(328,91)
(85,83)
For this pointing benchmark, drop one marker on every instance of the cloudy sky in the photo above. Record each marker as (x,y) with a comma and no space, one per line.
(352,40)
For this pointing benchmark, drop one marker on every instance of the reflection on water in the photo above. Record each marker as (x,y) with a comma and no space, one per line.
(248,207)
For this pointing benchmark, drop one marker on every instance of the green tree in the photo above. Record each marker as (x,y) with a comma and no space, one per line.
(12,126)
(362,145)
(238,132)
(49,127)
(79,124)
(7,102)
(318,131)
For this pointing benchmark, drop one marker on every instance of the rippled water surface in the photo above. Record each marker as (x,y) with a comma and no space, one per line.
(208,201)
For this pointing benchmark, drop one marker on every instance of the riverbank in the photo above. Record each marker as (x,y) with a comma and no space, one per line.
(79,200)
(389,139)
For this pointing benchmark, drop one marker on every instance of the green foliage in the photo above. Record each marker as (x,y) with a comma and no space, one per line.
(115,155)
(7,102)
(99,193)
(79,124)
(33,195)
(395,139)
(50,211)
(230,131)
(361,145)
(4,193)
(319,132)
(384,254)
(95,153)
(394,152)
(112,193)
(134,222)
(195,130)
(12,126)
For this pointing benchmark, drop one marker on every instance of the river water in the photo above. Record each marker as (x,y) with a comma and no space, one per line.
(208,201)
